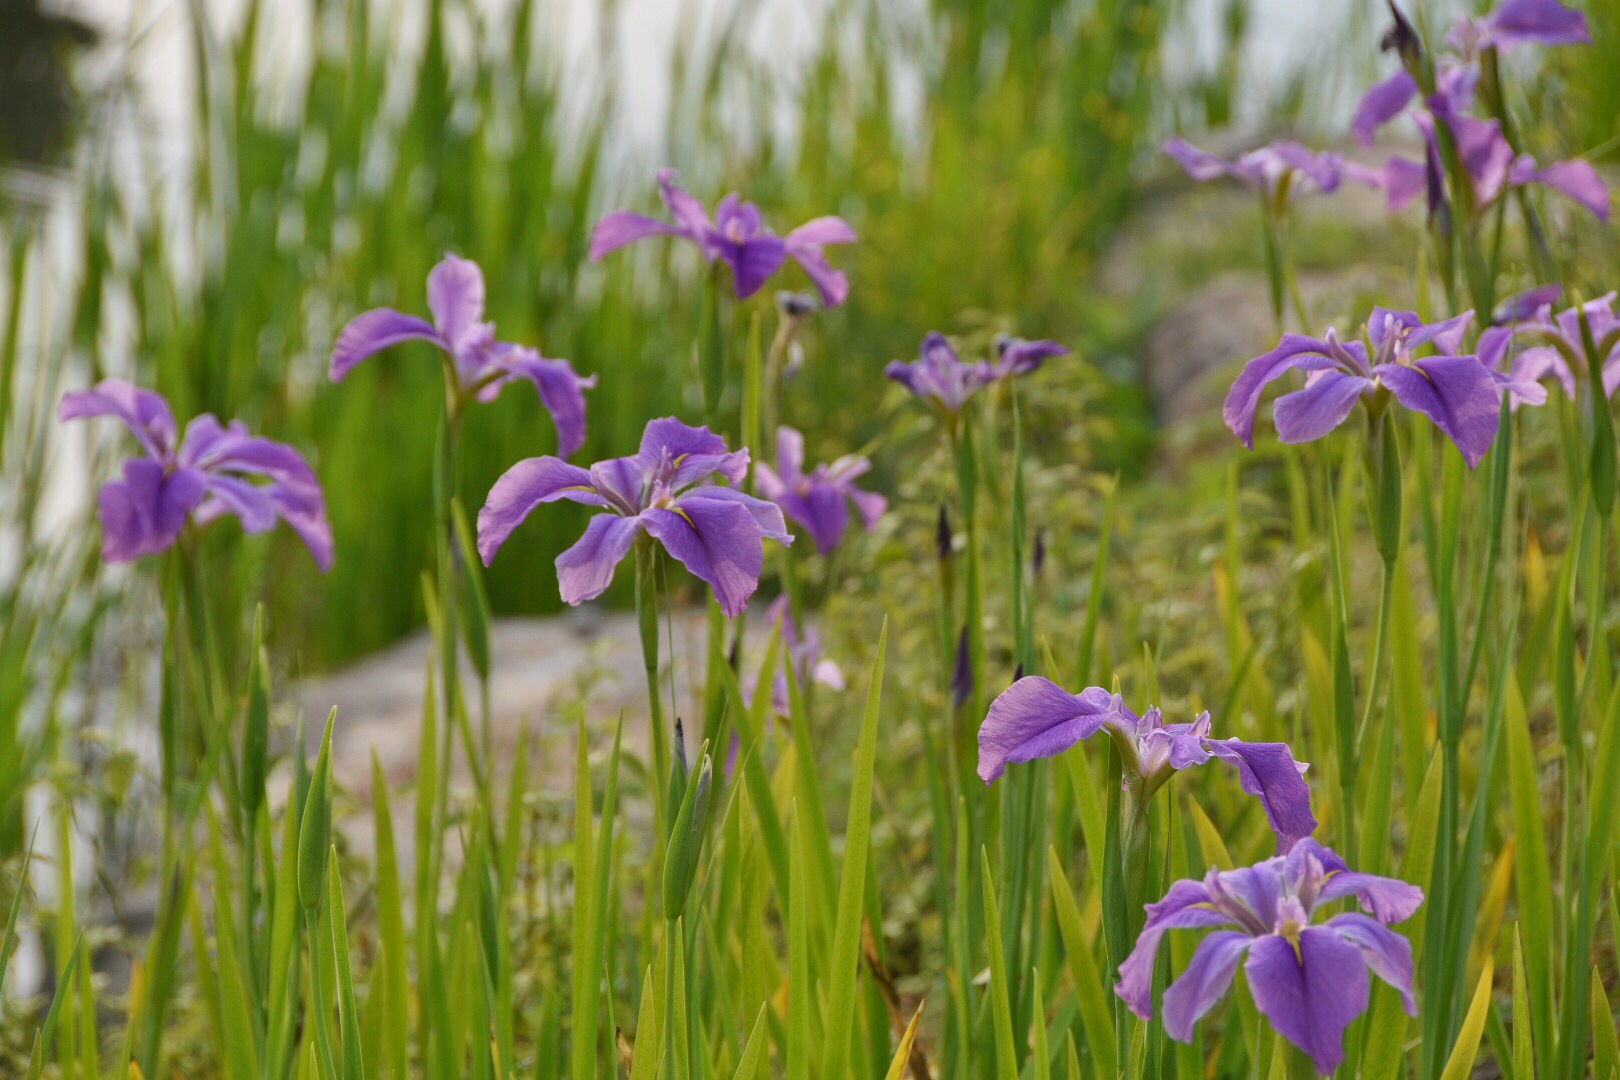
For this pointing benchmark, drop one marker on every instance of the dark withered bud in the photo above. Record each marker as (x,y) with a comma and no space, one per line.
(795,305)
(1004,341)
(1037,559)
(1018,672)
(961,672)
(1402,37)
(734,658)
(943,541)
(678,773)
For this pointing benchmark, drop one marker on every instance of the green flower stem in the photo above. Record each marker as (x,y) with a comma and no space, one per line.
(647,618)
(973,608)
(775,362)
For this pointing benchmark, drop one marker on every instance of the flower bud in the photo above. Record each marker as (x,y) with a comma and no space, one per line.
(678,772)
(1402,37)
(315,830)
(686,840)
(962,671)
(795,305)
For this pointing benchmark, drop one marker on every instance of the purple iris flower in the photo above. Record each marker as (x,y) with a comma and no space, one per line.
(1549,344)
(1309,981)
(1516,22)
(737,236)
(1036,718)
(947,383)
(819,499)
(803,648)
(1491,165)
(717,533)
(1456,392)
(1484,152)
(1515,353)
(197,479)
(1265,168)
(483,366)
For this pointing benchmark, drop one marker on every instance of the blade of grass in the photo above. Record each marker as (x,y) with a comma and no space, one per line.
(857,837)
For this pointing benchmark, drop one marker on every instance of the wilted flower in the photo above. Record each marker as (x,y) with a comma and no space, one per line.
(1265,169)
(1456,392)
(1309,981)
(197,479)
(483,366)
(737,236)
(818,499)
(717,533)
(947,383)
(1037,718)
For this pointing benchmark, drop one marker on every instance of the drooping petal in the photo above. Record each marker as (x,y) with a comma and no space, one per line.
(1293,352)
(1576,179)
(1387,954)
(803,245)
(1536,364)
(1269,772)
(1456,392)
(455,289)
(684,208)
(251,503)
(1206,979)
(144,412)
(310,525)
(561,391)
(828,229)
(830,282)
(1199,164)
(585,570)
(522,488)
(1382,103)
(622,227)
(1389,900)
(1546,22)
(1310,992)
(719,542)
(373,331)
(870,505)
(752,261)
(1484,152)
(1308,414)
(1022,357)
(1404,180)
(767,515)
(1036,718)
(144,513)
(1185,906)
